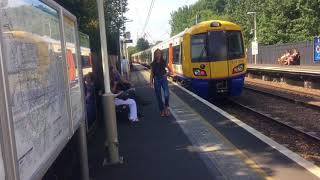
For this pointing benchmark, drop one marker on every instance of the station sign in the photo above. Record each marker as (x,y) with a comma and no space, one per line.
(316,49)
(255,47)
(128,41)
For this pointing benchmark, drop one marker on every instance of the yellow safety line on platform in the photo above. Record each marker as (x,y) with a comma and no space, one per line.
(251,163)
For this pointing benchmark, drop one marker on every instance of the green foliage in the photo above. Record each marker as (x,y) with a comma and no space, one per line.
(132,50)
(142,44)
(87,14)
(277,21)
(158,42)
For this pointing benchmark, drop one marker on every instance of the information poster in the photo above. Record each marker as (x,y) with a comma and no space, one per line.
(37,92)
(316,50)
(255,48)
(72,63)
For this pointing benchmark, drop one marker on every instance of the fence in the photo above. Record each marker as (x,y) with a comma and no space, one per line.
(270,54)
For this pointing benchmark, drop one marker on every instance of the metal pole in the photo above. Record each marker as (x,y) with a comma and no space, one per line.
(122,51)
(82,138)
(82,130)
(196,18)
(255,27)
(108,97)
(255,35)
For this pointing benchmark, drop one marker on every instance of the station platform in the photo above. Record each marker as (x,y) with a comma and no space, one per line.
(284,68)
(199,141)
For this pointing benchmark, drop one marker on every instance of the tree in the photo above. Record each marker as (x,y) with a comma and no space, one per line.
(205,10)
(132,50)
(142,44)
(277,21)
(87,15)
(158,42)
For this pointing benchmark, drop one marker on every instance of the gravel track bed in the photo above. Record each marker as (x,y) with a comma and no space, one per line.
(285,87)
(300,143)
(297,115)
(298,96)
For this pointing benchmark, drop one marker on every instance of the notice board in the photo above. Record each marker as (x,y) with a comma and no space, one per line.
(37,81)
(73,76)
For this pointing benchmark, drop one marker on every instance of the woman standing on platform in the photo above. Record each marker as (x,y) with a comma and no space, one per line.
(158,80)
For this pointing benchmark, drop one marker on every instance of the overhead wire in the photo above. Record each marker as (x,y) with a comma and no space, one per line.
(148,17)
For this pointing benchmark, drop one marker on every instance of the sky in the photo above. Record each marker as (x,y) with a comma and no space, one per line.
(158,28)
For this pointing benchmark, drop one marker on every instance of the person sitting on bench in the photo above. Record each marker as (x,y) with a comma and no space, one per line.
(122,98)
(123,84)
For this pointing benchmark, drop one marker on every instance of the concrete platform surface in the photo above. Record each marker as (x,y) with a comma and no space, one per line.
(196,142)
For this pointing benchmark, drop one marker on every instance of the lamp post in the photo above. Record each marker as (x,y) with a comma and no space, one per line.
(108,98)
(255,42)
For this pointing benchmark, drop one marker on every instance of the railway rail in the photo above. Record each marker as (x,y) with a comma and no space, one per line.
(282,123)
(305,99)
(299,141)
(291,99)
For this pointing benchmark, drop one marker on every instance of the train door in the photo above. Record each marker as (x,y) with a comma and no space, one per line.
(177,59)
(171,58)
(217,50)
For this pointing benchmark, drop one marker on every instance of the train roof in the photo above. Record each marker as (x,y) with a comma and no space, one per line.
(195,29)
(140,52)
(213,25)
(174,40)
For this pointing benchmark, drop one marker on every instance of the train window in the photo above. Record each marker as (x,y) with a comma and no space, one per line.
(85,61)
(181,53)
(198,47)
(176,55)
(165,55)
(235,45)
(217,49)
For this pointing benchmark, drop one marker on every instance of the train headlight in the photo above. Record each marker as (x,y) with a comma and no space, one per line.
(238,69)
(215,24)
(199,72)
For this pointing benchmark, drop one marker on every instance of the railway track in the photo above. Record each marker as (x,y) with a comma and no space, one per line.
(276,120)
(288,98)
(298,140)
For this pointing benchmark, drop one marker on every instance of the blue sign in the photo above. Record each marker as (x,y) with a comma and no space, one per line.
(316,49)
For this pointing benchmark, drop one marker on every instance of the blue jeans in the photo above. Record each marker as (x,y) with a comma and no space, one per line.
(161,82)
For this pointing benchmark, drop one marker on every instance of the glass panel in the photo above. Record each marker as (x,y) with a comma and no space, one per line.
(222,45)
(176,55)
(84,40)
(72,63)
(165,55)
(217,46)
(85,61)
(235,45)
(198,47)
(37,98)
(2,173)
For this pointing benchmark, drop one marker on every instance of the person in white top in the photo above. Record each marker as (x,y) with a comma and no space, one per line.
(118,100)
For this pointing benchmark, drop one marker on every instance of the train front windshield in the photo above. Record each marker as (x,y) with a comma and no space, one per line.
(217,46)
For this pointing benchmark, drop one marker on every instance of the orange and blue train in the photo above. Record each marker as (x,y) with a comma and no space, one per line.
(208,57)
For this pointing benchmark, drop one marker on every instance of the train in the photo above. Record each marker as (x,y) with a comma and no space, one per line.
(209,58)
